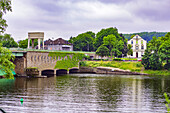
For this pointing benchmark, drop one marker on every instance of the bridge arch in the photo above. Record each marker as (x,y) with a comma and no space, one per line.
(48,72)
(74,70)
(61,71)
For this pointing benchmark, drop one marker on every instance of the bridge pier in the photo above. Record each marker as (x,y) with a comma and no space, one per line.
(67,71)
(55,72)
(39,73)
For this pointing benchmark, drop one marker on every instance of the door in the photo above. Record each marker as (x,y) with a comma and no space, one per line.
(136,54)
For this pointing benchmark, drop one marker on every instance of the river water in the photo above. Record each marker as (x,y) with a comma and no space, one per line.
(85,93)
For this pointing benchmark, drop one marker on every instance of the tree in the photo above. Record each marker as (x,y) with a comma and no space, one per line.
(132,36)
(102,51)
(8,41)
(83,42)
(24,43)
(5,5)
(5,61)
(110,42)
(105,32)
(91,34)
(164,50)
(5,55)
(129,49)
(154,44)
(151,61)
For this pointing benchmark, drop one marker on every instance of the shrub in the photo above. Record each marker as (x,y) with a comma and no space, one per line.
(138,65)
(83,63)
(117,59)
(167,66)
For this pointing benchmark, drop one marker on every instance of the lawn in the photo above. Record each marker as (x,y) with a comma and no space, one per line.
(132,66)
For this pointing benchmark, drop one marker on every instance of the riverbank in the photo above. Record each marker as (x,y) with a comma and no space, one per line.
(135,67)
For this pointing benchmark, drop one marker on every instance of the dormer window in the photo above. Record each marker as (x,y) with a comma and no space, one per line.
(136,36)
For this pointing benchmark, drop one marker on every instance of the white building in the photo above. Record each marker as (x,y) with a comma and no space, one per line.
(138,46)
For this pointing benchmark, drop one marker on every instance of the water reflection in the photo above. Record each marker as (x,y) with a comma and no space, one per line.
(85,93)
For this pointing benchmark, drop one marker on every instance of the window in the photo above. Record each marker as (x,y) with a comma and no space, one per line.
(137,47)
(131,41)
(141,41)
(136,36)
(142,47)
(136,41)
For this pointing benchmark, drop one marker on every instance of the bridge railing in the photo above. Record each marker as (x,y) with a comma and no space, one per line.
(21,49)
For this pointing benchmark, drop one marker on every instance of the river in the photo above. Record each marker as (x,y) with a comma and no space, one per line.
(85,93)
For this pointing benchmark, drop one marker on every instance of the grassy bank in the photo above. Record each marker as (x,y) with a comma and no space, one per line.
(132,66)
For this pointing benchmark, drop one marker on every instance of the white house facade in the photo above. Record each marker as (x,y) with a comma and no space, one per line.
(138,46)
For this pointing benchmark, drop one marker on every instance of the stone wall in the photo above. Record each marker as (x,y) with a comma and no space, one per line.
(20,65)
(40,60)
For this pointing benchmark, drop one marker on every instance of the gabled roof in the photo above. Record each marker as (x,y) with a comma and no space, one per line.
(58,41)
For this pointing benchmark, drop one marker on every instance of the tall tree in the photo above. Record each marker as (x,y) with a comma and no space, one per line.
(5,5)
(105,32)
(129,48)
(5,55)
(83,42)
(5,61)
(102,51)
(110,41)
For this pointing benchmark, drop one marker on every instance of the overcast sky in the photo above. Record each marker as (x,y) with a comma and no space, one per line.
(66,18)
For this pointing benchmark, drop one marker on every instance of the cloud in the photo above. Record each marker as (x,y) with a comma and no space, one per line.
(65,18)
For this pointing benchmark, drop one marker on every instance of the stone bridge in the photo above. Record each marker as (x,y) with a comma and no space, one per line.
(38,63)
(44,63)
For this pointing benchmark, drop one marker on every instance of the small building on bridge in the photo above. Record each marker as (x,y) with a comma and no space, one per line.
(58,44)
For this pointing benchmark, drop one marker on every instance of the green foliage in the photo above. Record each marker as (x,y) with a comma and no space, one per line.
(116,64)
(24,43)
(151,61)
(164,49)
(146,35)
(117,59)
(168,102)
(160,48)
(132,36)
(167,66)
(129,49)
(110,41)
(5,62)
(83,42)
(139,64)
(154,44)
(5,5)
(83,63)
(102,51)
(7,41)
(68,61)
(105,32)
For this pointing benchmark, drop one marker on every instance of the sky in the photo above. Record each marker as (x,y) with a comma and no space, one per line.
(66,18)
